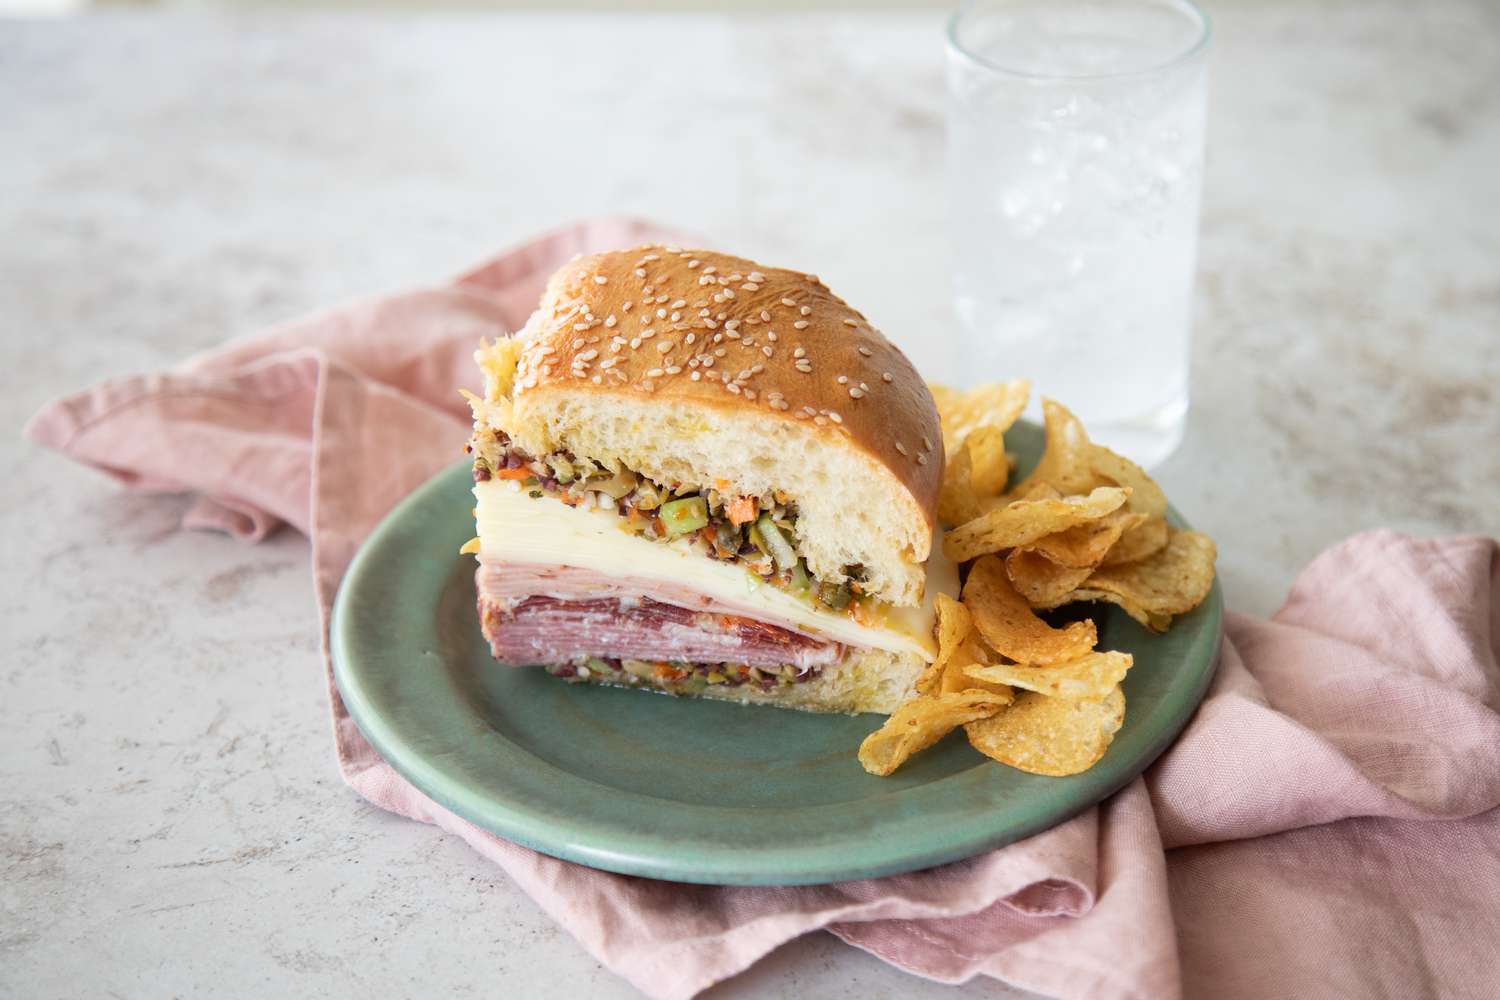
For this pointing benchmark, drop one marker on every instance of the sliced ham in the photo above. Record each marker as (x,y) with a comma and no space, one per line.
(553,614)
(544,630)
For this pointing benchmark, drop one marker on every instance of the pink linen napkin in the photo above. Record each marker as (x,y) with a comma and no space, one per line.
(1326,826)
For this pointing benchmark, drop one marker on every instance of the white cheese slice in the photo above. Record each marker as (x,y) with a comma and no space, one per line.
(516,527)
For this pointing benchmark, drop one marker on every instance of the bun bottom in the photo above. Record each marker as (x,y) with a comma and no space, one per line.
(869,680)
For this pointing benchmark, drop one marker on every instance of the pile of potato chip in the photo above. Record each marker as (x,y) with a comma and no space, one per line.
(1085,525)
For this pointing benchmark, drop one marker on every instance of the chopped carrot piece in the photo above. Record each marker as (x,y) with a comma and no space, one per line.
(740,511)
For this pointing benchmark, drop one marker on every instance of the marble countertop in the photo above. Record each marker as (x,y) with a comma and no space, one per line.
(172,820)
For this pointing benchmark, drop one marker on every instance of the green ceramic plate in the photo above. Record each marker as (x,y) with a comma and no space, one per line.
(682,789)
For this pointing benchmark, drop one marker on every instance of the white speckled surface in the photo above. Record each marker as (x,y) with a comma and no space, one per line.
(172,822)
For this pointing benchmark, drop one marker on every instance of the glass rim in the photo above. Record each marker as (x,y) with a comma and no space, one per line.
(1205,33)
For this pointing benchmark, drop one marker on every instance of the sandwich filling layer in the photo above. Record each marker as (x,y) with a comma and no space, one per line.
(758,534)
(532,544)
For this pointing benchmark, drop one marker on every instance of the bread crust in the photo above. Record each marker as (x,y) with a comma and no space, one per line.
(724,332)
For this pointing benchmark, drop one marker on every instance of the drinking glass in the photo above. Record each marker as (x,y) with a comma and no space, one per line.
(1075,164)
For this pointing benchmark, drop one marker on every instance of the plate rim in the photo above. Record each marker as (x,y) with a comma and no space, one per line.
(573,841)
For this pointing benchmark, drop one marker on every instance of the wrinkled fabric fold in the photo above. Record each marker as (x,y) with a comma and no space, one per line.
(1327,824)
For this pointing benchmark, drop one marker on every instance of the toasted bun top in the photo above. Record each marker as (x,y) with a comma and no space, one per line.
(722,332)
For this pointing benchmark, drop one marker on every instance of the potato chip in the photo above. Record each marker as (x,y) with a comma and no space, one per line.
(1146,538)
(1024,521)
(1066,461)
(997,405)
(1087,545)
(1145,496)
(1042,582)
(1093,675)
(920,723)
(1051,736)
(1152,590)
(990,465)
(953,626)
(956,677)
(1007,623)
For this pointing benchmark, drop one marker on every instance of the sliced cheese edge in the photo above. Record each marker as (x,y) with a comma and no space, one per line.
(516,527)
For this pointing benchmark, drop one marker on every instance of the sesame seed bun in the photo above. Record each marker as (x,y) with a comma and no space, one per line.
(695,367)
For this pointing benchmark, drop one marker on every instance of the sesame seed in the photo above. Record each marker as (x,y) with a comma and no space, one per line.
(661,314)
(694,376)
(863,387)
(600,279)
(854,392)
(627,307)
(850,322)
(788,302)
(635,342)
(662,298)
(680,303)
(673,369)
(580,326)
(804,366)
(650,257)
(805,310)
(721,352)
(588,355)
(771,336)
(926,444)
(640,272)
(921,459)
(730,324)
(708,361)
(765,317)
(886,376)
(728,293)
(709,324)
(801,324)
(597,379)
(799,353)
(647,292)
(693,263)
(709,270)
(835,417)
(757,369)
(733,387)
(655,373)
(901,448)
(865,351)
(749,286)
(609,324)
(766,351)
(690,338)
(744,374)
(820,420)
(665,345)
(843,379)
(676,316)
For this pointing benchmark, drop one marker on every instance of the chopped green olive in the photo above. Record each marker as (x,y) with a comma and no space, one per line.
(681,516)
(775,543)
(836,596)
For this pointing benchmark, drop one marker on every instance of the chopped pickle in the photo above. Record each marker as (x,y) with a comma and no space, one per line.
(800,584)
(682,516)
